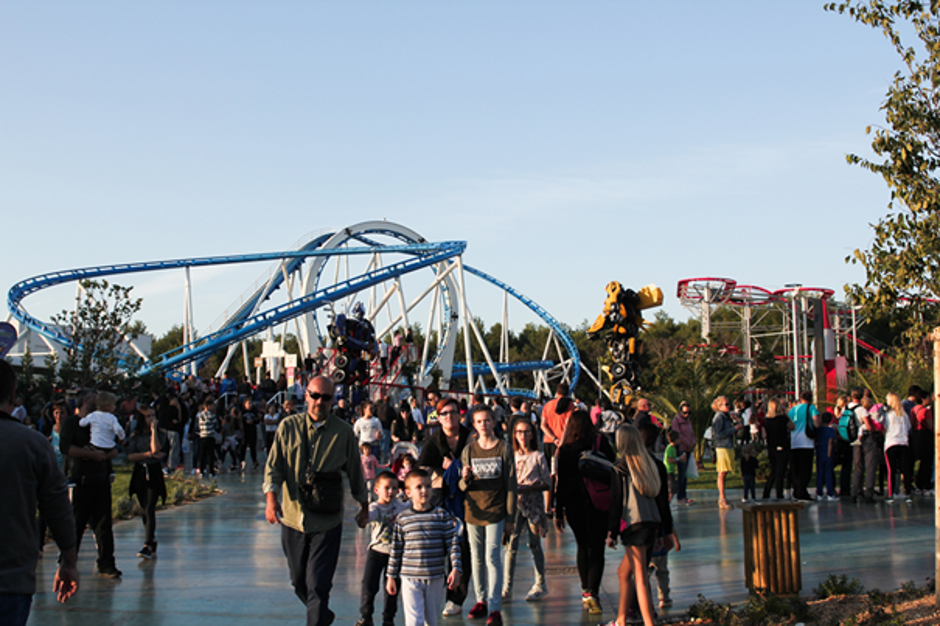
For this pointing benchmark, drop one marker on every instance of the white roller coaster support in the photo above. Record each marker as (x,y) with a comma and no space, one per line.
(378,309)
(486,355)
(401,303)
(590,375)
(188,316)
(427,340)
(416,301)
(463,321)
(230,352)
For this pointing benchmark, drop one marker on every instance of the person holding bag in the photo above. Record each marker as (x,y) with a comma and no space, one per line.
(635,520)
(574,505)
(303,491)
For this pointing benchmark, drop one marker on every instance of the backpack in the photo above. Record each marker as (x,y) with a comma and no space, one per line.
(878,419)
(848,425)
(597,472)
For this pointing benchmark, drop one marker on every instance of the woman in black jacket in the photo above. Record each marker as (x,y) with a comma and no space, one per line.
(777,427)
(574,506)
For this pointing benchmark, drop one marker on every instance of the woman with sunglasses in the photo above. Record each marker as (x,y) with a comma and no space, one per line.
(532,480)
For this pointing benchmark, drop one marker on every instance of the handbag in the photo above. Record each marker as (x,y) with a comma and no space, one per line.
(637,508)
(320,492)
(596,472)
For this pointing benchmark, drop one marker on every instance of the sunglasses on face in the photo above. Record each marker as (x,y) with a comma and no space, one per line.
(451,412)
(316,395)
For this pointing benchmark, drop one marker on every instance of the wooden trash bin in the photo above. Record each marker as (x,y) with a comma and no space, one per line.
(772,548)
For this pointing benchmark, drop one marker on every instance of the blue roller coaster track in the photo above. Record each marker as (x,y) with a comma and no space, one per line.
(245,323)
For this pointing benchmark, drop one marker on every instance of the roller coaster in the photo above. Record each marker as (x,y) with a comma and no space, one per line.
(325,275)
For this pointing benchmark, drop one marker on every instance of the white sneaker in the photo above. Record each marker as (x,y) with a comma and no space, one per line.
(832,498)
(451,608)
(537,592)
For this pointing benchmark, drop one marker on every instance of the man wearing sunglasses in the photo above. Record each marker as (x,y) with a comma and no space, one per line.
(311,539)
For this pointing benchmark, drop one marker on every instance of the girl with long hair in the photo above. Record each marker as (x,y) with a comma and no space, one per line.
(897,449)
(532,479)
(145,449)
(635,520)
(777,428)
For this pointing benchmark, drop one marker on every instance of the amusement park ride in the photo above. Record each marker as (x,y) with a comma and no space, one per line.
(356,279)
(786,318)
(330,276)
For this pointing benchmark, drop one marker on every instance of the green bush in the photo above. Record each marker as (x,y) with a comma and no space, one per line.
(711,611)
(838,586)
(772,609)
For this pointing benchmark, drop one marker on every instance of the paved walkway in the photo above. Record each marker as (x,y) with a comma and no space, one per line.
(221,564)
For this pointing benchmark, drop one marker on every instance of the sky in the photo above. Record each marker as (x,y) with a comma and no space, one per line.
(568,143)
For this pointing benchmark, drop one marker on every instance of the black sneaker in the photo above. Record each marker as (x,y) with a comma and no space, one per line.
(146,553)
(110,572)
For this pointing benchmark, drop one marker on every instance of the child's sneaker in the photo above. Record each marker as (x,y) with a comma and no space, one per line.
(450,609)
(537,592)
(478,611)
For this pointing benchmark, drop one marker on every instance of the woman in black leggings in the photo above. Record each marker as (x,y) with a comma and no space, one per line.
(574,506)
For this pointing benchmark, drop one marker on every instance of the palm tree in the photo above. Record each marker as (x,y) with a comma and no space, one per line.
(697,379)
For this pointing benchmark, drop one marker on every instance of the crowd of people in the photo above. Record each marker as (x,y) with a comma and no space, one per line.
(877,447)
(449,484)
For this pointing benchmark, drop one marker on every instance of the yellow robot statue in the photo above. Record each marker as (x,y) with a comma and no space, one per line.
(622,321)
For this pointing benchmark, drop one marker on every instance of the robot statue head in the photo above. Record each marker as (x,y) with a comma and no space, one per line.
(359,311)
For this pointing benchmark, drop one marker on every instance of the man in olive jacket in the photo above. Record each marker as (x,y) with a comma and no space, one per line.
(311,539)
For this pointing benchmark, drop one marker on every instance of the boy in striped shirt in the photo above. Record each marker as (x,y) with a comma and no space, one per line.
(423,538)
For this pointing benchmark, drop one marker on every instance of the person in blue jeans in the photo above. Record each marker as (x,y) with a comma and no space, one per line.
(825,451)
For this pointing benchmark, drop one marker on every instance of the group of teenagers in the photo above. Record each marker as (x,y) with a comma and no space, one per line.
(870,440)
(492,489)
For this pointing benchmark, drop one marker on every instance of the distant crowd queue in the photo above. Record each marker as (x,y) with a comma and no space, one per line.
(449,485)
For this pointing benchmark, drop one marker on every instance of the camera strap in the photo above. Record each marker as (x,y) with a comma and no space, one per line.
(307,459)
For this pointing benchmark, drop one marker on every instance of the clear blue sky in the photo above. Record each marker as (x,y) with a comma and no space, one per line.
(569,143)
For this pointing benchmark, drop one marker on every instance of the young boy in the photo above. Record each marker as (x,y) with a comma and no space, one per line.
(749,472)
(825,465)
(106,432)
(422,539)
(671,460)
(382,514)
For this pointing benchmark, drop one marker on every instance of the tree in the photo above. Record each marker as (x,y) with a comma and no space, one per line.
(697,377)
(903,262)
(99,327)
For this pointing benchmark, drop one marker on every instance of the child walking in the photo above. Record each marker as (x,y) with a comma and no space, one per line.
(532,480)
(671,459)
(749,472)
(825,458)
(423,537)
(382,514)
(369,465)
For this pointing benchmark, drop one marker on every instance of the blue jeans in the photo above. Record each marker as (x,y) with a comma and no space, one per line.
(486,554)
(681,479)
(14,608)
(512,548)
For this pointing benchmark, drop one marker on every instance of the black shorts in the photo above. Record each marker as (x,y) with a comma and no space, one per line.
(639,537)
